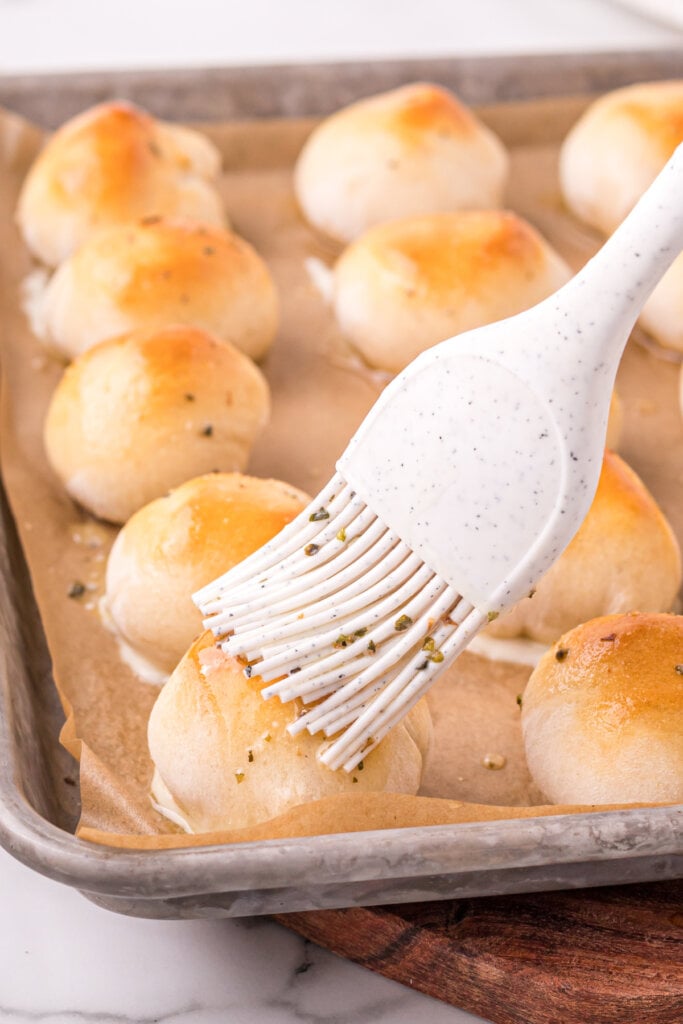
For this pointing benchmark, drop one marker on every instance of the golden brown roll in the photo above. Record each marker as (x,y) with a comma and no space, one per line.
(224,760)
(410,151)
(609,158)
(177,544)
(408,284)
(602,713)
(156,272)
(110,164)
(624,556)
(617,148)
(139,414)
(662,314)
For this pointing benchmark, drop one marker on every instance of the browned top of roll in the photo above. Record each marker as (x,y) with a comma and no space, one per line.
(159,271)
(632,663)
(170,263)
(413,110)
(112,163)
(456,252)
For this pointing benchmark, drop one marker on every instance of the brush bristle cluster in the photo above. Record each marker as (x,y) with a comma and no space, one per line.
(336,612)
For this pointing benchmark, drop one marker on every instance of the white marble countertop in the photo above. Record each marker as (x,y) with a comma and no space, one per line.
(46,35)
(62,959)
(65,961)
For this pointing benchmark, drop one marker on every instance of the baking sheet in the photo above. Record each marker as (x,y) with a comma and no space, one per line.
(311,372)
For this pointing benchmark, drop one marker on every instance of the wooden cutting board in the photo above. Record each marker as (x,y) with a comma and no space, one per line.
(593,956)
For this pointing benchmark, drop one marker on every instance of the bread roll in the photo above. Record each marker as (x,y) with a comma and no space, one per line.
(137,415)
(110,164)
(224,760)
(408,284)
(617,148)
(403,153)
(624,556)
(609,158)
(602,713)
(177,544)
(662,314)
(156,272)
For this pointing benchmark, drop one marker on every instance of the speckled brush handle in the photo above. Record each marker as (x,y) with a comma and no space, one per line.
(484,454)
(613,286)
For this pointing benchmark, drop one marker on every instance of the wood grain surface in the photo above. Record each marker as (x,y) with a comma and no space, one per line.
(593,956)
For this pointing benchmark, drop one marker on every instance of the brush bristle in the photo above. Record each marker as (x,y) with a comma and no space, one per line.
(338,612)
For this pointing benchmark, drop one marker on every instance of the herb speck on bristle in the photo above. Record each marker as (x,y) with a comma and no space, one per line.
(402,623)
(77,589)
(317,517)
(429,645)
(342,535)
(372,646)
(561,653)
(491,616)
(344,640)
(311,549)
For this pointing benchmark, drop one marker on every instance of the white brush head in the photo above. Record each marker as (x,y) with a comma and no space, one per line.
(338,612)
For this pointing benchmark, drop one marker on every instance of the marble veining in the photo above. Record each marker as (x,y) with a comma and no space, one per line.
(65,961)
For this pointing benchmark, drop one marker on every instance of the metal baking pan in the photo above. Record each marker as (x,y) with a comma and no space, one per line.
(38,779)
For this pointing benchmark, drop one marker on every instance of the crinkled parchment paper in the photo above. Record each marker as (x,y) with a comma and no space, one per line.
(320,395)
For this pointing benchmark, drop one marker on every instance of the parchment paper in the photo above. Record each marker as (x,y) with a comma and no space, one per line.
(320,395)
